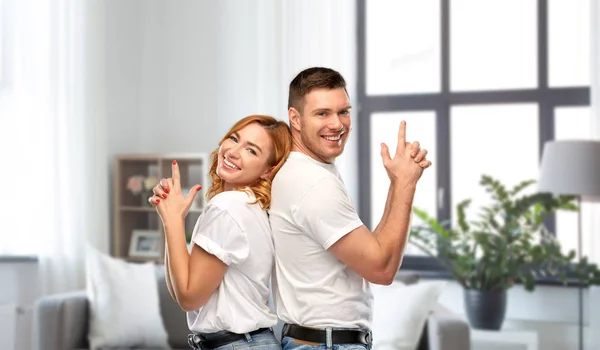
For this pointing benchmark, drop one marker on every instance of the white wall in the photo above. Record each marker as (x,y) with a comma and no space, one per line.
(159,60)
(180,75)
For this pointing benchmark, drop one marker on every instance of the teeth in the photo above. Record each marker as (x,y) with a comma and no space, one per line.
(229,163)
(333,138)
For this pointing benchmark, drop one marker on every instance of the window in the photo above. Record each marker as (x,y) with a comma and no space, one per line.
(509,133)
(412,63)
(482,96)
(504,54)
(384,128)
(569,43)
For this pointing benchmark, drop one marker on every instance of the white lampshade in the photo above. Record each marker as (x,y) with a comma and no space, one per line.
(571,168)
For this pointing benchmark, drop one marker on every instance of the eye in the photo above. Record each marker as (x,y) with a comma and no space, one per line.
(252,151)
(322,114)
(345,112)
(233,138)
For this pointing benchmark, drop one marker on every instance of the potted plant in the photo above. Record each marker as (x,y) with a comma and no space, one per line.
(507,242)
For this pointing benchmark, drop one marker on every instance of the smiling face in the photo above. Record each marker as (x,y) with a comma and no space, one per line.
(244,157)
(323,125)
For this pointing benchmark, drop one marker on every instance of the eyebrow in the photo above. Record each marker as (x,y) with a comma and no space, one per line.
(329,109)
(248,142)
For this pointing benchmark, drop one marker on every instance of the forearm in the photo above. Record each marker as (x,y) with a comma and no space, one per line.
(386,211)
(178,259)
(394,226)
(168,273)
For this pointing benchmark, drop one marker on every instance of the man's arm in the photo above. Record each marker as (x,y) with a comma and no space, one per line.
(419,157)
(377,255)
(386,212)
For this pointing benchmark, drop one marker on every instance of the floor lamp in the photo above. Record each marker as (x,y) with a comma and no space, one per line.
(572,168)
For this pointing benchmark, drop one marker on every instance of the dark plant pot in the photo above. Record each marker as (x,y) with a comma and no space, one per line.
(485,309)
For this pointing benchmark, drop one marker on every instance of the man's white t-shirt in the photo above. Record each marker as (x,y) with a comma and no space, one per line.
(310,211)
(237,233)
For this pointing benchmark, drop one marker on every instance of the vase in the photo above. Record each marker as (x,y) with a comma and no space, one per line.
(485,309)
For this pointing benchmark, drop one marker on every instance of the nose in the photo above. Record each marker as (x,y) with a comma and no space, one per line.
(335,123)
(233,152)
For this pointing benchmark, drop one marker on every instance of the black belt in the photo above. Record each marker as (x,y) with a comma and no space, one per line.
(338,336)
(196,341)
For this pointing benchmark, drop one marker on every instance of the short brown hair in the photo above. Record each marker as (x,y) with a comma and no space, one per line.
(313,78)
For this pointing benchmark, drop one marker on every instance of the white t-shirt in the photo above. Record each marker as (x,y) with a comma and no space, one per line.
(239,235)
(310,211)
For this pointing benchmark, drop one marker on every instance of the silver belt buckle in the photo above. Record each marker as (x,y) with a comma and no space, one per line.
(194,341)
(370,338)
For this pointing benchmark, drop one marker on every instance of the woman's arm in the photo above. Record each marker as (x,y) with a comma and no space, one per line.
(194,276)
(168,273)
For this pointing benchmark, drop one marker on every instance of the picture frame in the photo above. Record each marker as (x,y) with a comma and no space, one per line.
(145,244)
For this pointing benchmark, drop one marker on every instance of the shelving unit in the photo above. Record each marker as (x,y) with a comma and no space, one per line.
(132,211)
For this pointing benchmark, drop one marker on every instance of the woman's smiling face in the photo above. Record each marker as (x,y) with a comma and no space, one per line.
(245,156)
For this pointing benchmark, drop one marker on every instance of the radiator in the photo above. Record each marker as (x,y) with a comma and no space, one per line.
(8,326)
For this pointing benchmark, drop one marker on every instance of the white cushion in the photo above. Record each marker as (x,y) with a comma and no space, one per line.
(400,312)
(124,304)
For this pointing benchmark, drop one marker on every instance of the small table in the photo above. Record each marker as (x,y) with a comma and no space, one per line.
(504,339)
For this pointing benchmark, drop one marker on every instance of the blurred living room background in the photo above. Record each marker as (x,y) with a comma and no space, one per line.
(482,84)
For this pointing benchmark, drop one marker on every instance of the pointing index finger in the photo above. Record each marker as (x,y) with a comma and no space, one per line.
(175,173)
(401,138)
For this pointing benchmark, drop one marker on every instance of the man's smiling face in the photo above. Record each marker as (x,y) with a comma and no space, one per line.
(325,123)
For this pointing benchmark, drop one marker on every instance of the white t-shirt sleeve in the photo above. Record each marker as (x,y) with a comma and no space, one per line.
(326,213)
(219,234)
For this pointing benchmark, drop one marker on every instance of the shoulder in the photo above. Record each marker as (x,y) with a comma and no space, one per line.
(237,204)
(300,165)
(323,192)
(300,174)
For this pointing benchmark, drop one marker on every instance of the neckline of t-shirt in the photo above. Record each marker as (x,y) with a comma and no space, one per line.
(247,190)
(328,166)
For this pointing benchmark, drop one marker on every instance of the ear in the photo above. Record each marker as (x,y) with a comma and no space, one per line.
(294,117)
(267,174)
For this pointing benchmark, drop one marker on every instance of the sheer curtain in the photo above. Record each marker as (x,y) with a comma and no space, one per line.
(53,145)
(323,33)
(595,101)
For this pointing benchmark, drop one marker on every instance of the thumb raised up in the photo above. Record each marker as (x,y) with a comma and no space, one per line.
(192,195)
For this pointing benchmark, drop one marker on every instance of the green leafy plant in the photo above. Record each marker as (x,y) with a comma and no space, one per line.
(506,242)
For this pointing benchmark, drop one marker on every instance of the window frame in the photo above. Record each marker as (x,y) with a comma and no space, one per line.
(547,98)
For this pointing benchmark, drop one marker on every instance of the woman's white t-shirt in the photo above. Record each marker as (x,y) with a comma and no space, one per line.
(239,234)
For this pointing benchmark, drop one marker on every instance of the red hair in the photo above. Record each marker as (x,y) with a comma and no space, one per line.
(281,138)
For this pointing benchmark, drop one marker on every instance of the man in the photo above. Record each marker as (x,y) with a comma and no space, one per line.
(325,256)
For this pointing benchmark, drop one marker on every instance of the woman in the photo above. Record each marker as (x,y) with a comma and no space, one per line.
(223,283)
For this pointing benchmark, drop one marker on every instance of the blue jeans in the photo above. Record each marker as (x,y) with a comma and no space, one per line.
(262,341)
(288,343)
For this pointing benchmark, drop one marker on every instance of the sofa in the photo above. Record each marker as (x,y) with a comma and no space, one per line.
(443,329)
(61,322)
